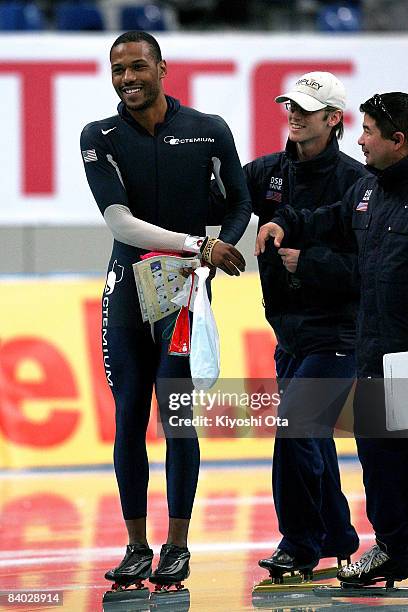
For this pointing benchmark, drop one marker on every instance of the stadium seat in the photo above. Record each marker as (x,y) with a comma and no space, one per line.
(339,18)
(78,16)
(148,17)
(20,16)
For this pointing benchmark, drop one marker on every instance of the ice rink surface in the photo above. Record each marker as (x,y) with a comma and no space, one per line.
(61,530)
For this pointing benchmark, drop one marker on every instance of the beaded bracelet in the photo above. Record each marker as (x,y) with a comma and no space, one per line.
(206,249)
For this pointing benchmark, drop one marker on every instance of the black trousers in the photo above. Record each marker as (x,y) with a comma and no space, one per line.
(384,459)
(313,513)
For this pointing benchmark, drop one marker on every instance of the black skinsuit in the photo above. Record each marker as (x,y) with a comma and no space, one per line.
(163,179)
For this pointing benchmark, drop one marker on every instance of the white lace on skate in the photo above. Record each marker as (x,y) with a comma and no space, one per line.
(371,559)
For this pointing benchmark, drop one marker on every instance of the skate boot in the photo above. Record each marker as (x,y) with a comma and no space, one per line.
(173,567)
(374,566)
(135,566)
(280,563)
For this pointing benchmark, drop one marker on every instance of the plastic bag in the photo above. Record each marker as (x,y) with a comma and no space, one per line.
(205,343)
(184,296)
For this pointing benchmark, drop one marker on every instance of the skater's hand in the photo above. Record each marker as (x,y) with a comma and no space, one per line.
(267,231)
(228,258)
(213,272)
(290,258)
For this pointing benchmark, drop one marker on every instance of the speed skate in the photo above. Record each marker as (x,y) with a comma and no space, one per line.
(359,579)
(168,591)
(298,583)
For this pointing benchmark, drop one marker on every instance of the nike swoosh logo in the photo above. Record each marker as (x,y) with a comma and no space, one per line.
(175,567)
(136,568)
(104,132)
(340,355)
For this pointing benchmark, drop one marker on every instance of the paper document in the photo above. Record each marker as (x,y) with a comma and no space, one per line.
(396,390)
(158,280)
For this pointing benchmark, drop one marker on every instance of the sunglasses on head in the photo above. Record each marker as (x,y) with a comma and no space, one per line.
(377,102)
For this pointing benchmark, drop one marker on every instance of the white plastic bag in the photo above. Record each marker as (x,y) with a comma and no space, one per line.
(205,343)
(182,298)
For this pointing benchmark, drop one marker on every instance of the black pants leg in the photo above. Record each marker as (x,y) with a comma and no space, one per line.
(313,513)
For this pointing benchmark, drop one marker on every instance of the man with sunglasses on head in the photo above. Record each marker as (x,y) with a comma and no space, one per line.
(374,213)
(311,302)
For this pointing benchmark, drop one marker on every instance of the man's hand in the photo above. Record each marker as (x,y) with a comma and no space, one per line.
(265,232)
(290,259)
(228,258)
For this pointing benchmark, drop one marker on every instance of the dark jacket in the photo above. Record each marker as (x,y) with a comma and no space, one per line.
(314,309)
(375,211)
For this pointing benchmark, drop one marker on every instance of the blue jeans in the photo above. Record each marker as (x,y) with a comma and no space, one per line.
(312,511)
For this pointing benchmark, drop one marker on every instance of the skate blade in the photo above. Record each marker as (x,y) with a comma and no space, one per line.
(270,587)
(288,597)
(360,591)
(128,595)
(320,574)
(127,606)
(170,599)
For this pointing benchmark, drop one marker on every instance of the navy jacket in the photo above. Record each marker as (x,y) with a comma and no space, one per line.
(375,212)
(315,309)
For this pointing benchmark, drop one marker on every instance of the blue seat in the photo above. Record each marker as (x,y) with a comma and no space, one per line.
(78,16)
(339,18)
(147,17)
(21,16)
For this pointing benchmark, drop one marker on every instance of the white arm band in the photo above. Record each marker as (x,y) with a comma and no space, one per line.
(135,232)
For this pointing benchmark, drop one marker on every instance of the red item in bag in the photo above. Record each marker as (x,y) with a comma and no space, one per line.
(180,338)
(179,344)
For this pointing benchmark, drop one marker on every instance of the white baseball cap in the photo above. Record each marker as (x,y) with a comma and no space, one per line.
(316,90)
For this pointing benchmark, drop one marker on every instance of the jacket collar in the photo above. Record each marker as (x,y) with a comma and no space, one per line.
(392,177)
(327,157)
(173,107)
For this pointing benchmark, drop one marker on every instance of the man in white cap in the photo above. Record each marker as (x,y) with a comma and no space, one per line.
(316,91)
(310,301)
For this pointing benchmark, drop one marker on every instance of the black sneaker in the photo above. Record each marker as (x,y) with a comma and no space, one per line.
(136,565)
(283,562)
(373,566)
(173,565)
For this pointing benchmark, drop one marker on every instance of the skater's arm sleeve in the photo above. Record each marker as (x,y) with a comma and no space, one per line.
(133,231)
